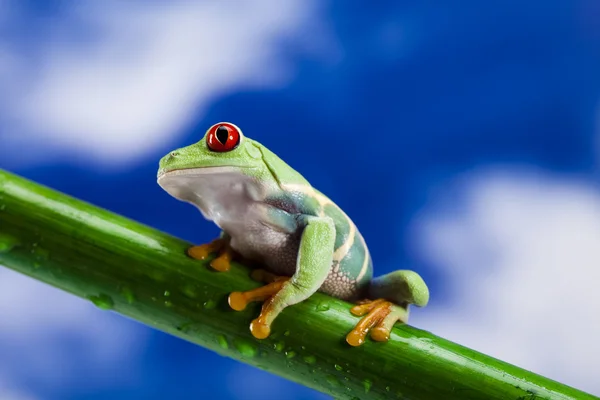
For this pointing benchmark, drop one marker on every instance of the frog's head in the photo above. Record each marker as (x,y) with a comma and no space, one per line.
(223,145)
(220,161)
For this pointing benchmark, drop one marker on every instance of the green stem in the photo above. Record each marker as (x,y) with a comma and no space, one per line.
(142,273)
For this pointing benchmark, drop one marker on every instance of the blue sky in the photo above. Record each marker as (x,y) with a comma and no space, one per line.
(462,139)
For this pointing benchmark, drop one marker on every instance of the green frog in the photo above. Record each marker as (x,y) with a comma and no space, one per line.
(271,215)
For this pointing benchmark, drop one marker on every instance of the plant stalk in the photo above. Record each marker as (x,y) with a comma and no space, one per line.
(139,272)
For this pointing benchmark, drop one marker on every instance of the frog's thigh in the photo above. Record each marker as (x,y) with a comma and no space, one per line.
(313,264)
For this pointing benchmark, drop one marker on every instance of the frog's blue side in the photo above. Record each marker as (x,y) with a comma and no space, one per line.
(352,268)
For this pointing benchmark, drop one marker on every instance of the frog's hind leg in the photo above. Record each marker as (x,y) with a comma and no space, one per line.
(312,267)
(220,246)
(393,293)
(240,300)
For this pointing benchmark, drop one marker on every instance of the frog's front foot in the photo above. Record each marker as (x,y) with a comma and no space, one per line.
(381,315)
(261,326)
(221,246)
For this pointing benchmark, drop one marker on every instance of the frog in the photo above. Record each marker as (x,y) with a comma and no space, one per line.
(298,239)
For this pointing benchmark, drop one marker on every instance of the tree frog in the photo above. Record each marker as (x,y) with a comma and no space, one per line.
(269,214)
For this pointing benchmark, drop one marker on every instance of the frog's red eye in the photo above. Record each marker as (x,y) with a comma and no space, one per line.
(223,137)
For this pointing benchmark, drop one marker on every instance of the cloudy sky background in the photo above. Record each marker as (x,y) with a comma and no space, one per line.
(489,187)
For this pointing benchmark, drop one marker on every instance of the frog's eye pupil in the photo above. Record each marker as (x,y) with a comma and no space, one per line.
(223,137)
(222,134)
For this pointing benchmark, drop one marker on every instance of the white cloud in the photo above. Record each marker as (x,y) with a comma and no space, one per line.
(7,393)
(519,253)
(105,84)
(47,337)
(131,80)
(14,395)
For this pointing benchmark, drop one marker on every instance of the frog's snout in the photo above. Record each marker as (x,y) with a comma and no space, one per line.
(166,161)
(169,158)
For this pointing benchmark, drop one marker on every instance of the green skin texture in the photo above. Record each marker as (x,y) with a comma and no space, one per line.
(272,215)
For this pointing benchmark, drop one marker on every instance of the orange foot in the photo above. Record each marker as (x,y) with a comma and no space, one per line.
(381,315)
(260,327)
(223,261)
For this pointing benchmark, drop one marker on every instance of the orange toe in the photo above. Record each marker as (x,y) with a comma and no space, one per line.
(260,327)
(203,251)
(375,321)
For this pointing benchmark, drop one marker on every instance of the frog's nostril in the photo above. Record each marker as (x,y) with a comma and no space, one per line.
(174,154)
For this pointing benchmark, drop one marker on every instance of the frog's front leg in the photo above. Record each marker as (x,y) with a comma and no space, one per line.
(221,246)
(314,260)
(394,293)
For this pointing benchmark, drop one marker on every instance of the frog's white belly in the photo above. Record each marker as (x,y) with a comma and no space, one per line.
(278,251)
(235,202)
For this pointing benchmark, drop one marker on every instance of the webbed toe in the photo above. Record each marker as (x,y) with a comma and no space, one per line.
(221,246)
(379,317)
(260,327)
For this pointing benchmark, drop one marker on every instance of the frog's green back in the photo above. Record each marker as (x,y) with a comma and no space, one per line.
(281,171)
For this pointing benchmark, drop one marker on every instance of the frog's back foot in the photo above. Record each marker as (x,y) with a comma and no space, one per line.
(378,318)
(390,297)
(402,287)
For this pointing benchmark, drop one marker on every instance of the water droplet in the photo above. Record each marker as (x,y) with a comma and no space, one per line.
(210,304)
(222,342)
(290,354)
(332,380)
(167,293)
(310,359)
(40,253)
(387,389)
(102,301)
(185,326)
(7,242)
(128,294)
(190,291)
(157,275)
(245,348)
(279,346)
(367,384)
(338,367)
(303,347)
(286,333)
(323,307)
(168,304)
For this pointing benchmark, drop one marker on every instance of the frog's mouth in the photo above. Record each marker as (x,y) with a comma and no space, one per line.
(198,171)
(184,175)
(187,184)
